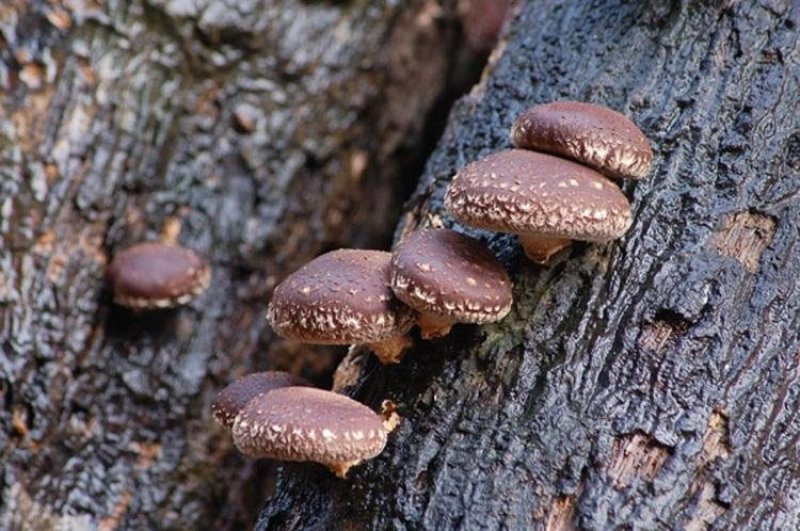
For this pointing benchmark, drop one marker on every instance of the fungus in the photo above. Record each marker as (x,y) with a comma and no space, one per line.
(546,200)
(155,275)
(235,396)
(340,298)
(590,134)
(449,278)
(306,424)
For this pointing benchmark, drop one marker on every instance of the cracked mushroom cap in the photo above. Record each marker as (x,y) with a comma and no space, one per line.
(340,298)
(235,396)
(156,275)
(448,274)
(524,192)
(306,424)
(590,134)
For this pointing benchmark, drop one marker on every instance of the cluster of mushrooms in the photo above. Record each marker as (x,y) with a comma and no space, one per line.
(552,189)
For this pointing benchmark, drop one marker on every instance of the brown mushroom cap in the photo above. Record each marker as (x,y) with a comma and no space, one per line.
(525,192)
(156,275)
(590,134)
(235,396)
(339,298)
(306,424)
(445,273)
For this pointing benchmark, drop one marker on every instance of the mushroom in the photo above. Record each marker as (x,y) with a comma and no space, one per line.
(590,134)
(155,275)
(235,396)
(340,298)
(546,200)
(306,424)
(449,278)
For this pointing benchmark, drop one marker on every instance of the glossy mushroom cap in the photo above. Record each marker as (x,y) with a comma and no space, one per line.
(155,275)
(590,134)
(450,275)
(339,298)
(525,192)
(306,424)
(235,396)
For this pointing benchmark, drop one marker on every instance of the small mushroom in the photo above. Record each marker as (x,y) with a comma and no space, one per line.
(546,200)
(235,396)
(449,278)
(590,134)
(341,298)
(306,424)
(155,275)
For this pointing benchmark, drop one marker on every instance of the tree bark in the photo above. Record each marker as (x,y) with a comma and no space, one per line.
(262,133)
(648,383)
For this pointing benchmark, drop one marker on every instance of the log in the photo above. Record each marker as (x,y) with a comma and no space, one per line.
(648,383)
(257,133)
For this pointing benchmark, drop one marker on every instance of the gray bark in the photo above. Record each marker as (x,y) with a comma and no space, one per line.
(650,383)
(262,133)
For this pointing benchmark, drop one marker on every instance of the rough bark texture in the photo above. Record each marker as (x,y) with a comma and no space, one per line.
(259,132)
(645,384)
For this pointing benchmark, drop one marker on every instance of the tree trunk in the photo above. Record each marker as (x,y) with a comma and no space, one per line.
(648,383)
(260,132)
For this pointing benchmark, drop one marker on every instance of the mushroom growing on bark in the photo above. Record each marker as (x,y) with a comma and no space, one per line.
(156,276)
(590,134)
(235,396)
(548,201)
(449,278)
(306,424)
(341,298)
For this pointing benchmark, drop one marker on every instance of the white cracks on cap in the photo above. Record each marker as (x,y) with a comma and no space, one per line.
(306,424)
(561,201)
(235,396)
(417,296)
(340,298)
(590,134)
(463,282)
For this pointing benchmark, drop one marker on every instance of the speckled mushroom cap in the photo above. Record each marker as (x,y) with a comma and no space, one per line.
(235,396)
(590,134)
(306,424)
(156,275)
(525,192)
(445,273)
(339,298)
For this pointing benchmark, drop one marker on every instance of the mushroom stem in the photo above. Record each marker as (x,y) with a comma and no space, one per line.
(340,469)
(432,325)
(171,231)
(349,369)
(540,248)
(390,416)
(391,350)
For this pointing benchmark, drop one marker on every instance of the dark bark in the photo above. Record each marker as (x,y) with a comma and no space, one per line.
(649,383)
(262,133)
